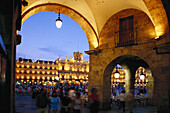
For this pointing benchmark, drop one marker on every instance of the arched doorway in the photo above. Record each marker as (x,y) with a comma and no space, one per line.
(130,64)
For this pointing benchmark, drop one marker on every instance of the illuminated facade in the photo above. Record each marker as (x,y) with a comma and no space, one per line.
(60,72)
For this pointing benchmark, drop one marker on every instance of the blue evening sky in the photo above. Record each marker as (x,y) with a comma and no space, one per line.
(42,40)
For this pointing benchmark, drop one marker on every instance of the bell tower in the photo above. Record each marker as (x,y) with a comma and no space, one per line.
(77,56)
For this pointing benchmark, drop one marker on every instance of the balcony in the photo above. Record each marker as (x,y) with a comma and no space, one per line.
(126,37)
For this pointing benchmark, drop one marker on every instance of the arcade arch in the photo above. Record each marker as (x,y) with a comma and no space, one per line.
(84,24)
(130,64)
(96,13)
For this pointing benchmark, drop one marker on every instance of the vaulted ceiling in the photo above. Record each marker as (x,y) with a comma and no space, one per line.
(97,12)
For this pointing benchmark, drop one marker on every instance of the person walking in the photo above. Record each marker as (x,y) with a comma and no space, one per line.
(130,101)
(71,93)
(122,100)
(84,99)
(66,103)
(42,101)
(77,103)
(94,101)
(54,103)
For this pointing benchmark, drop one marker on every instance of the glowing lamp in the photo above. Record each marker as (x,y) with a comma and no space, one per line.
(117,74)
(157,37)
(142,75)
(57,78)
(58,21)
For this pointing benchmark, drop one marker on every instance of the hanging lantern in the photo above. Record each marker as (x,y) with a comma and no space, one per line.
(58,21)
(117,74)
(142,75)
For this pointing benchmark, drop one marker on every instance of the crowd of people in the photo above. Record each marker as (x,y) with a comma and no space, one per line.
(136,96)
(70,99)
(66,100)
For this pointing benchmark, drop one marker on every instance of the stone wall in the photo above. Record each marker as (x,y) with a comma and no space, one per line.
(102,64)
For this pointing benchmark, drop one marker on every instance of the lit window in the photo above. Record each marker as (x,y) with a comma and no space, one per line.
(56,72)
(52,78)
(22,77)
(22,71)
(48,72)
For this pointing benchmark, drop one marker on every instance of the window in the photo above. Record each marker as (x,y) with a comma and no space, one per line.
(62,77)
(62,67)
(126,31)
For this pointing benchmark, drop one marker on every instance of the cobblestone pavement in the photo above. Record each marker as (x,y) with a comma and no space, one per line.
(25,104)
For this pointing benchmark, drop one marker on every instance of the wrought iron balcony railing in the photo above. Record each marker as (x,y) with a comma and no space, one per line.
(126,37)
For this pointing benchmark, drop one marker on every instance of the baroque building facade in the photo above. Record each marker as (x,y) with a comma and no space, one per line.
(61,72)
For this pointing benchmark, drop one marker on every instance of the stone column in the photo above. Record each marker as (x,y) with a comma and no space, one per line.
(161,95)
(95,79)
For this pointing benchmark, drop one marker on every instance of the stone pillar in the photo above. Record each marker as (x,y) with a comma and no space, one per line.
(130,67)
(161,95)
(150,86)
(95,78)
(127,78)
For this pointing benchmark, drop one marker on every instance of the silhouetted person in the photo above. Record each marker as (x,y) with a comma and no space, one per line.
(122,100)
(77,103)
(41,102)
(66,104)
(94,101)
(54,103)
(130,101)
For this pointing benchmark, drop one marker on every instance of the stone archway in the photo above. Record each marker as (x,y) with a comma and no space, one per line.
(54,7)
(129,64)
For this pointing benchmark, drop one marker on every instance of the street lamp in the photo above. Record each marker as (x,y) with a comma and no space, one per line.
(57,78)
(116,73)
(58,21)
(142,75)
